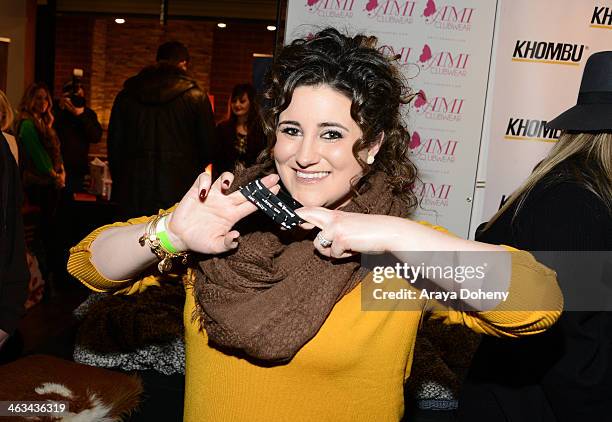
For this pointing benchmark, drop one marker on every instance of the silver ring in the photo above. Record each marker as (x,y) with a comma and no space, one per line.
(323,241)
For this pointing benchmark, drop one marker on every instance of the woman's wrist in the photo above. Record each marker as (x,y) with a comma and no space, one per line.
(414,236)
(401,235)
(173,237)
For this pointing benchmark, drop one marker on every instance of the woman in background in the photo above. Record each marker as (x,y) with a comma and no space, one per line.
(240,137)
(42,166)
(564,205)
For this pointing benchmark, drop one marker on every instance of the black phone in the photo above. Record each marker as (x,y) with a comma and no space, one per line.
(280,208)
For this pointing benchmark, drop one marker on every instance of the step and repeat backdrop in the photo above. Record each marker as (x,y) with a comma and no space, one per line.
(489,74)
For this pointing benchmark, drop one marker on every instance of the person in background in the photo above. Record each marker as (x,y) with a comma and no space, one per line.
(564,375)
(160,134)
(42,162)
(77,127)
(7,116)
(274,324)
(42,166)
(14,274)
(240,137)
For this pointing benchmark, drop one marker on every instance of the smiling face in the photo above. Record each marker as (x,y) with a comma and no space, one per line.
(41,102)
(313,151)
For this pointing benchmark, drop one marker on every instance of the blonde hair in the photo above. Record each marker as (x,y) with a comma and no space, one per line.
(6,112)
(591,154)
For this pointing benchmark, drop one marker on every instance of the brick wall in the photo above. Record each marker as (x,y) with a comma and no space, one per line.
(73,37)
(110,53)
(232,60)
(121,51)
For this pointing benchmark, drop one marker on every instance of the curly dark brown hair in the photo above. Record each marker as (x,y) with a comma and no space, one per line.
(373,83)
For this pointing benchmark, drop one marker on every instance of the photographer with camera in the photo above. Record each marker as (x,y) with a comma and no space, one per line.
(77,126)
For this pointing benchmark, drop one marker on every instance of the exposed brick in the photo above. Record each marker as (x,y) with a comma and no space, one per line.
(110,53)
(72,49)
(232,59)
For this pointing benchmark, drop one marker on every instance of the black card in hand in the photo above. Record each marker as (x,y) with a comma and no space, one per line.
(279,208)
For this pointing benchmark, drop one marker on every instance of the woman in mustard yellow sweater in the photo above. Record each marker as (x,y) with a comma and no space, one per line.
(283,325)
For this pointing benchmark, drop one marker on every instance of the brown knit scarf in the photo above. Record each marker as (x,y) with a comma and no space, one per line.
(271,295)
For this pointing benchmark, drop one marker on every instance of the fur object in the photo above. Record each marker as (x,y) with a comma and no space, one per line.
(92,394)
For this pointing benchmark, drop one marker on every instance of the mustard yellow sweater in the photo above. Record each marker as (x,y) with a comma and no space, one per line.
(352,370)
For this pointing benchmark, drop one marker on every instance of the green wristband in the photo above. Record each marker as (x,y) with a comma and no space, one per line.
(164,239)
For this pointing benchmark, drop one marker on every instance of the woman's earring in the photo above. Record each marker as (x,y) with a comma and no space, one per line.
(370,159)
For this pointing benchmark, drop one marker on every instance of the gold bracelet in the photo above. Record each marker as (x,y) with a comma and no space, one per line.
(151,239)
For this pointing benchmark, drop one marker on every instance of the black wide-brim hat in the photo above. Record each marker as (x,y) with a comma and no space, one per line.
(593,110)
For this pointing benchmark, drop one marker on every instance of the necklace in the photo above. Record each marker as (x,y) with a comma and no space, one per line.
(241,142)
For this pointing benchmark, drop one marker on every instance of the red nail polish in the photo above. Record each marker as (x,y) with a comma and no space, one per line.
(202,195)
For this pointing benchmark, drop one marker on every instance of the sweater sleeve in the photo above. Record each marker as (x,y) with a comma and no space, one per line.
(81,267)
(34,148)
(533,305)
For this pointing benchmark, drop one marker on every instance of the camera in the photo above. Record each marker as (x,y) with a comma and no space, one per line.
(77,100)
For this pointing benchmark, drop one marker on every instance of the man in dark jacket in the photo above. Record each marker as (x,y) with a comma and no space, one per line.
(160,136)
(77,126)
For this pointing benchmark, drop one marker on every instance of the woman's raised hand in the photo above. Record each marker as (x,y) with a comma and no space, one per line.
(350,233)
(203,220)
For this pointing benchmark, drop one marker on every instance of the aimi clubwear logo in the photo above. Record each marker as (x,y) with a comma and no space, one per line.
(390,11)
(548,52)
(448,17)
(432,150)
(602,18)
(443,63)
(439,107)
(432,194)
(331,8)
(404,55)
(521,129)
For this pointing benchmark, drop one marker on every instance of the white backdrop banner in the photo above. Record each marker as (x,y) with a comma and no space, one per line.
(473,106)
(445,49)
(541,50)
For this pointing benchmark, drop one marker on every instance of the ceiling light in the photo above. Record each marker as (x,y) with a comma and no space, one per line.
(120,20)
(271,28)
(221,25)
